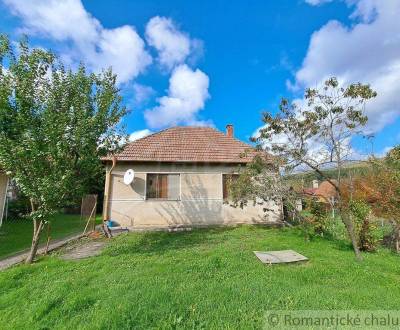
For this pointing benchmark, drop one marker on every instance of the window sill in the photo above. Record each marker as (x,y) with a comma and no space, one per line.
(162,199)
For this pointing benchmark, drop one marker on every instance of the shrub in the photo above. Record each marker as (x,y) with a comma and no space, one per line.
(311,225)
(19,207)
(313,219)
(318,211)
(366,231)
(335,228)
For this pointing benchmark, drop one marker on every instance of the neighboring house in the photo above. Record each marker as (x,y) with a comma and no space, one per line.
(3,194)
(324,192)
(181,176)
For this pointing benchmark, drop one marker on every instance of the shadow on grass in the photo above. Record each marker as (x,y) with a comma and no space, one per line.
(339,244)
(163,242)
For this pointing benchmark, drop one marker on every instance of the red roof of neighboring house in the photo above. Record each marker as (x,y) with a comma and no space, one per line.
(188,144)
(310,191)
(325,190)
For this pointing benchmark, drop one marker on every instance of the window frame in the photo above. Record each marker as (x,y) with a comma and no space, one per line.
(225,199)
(146,198)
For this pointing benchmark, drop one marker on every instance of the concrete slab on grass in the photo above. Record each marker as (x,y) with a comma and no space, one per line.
(279,257)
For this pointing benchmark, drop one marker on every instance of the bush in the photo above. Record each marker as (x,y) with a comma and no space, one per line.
(336,229)
(313,220)
(307,225)
(19,207)
(391,236)
(367,232)
(319,216)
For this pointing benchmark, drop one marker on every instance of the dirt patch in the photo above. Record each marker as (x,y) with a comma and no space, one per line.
(86,248)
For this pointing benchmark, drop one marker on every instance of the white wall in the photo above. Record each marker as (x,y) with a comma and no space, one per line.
(201,201)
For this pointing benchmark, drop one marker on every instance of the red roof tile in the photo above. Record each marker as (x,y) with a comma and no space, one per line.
(188,144)
(325,190)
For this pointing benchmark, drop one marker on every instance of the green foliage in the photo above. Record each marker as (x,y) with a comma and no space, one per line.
(335,229)
(313,220)
(366,231)
(318,211)
(309,225)
(55,124)
(317,208)
(393,158)
(317,133)
(18,208)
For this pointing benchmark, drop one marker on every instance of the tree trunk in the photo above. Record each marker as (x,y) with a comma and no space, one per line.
(348,222)
(350,230)
(37,229)
(397,239)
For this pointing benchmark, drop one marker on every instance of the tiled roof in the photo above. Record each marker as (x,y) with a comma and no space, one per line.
(188,144)
(325,190)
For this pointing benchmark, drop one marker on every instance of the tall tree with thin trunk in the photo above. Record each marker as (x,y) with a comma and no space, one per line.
(314,135)
(55,124)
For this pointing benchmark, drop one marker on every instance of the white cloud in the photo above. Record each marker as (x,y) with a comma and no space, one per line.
(121,47)
(139,134)
(142,93)
(367,51)
(187,93)
(384,151)
(316,2)
(317,153)
(173,46)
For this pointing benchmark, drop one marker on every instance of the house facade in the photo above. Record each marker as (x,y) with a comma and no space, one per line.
(181,179)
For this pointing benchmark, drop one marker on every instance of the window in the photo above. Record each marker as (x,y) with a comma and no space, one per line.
(163,186)
(227,180)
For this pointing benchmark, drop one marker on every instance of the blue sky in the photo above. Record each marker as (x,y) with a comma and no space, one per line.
(219,62)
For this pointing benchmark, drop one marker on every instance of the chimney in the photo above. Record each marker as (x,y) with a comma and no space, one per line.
(315,184)
(229,130)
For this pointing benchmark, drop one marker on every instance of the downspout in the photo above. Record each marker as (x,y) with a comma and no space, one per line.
(107,189)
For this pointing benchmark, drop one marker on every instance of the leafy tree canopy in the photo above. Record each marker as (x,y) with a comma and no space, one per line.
(55,124)
(313,135)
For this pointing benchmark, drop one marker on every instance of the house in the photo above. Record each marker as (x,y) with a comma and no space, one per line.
(3,194)
(324,192)
(180,180)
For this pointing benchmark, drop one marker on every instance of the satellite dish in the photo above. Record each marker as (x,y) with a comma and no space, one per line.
(129,176)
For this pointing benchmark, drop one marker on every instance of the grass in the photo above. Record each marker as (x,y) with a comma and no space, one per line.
(16,235)
(200,279)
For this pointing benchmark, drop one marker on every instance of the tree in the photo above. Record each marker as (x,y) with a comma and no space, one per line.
(55,124)
(380,188)
(313,136)
(388,183)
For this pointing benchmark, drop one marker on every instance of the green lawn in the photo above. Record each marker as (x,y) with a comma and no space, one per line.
(199,279)
(16,235)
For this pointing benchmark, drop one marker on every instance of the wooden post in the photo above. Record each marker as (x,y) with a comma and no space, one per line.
(107,189)
(48,237)
(90,217)
(94,215)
